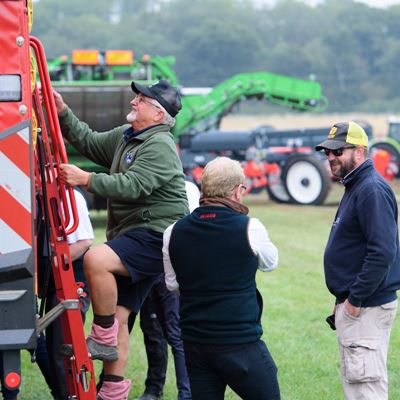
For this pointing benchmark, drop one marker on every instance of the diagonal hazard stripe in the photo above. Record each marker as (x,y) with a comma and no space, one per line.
(24,134)
(16,149)
(15,182)
(15,216)
(13,241)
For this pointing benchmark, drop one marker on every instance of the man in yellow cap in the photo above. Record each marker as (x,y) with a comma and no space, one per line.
(362,264)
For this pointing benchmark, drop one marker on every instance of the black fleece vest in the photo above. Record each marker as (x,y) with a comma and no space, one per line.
(215,268)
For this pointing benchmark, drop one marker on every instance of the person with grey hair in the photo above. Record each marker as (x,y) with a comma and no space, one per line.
(211,258)
(145,189)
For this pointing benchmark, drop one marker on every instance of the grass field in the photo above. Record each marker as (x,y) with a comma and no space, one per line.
(296,303)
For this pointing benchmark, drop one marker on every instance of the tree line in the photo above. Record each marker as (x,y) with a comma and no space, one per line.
(353,50)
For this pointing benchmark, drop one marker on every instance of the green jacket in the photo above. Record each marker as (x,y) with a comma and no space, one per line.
(145,187)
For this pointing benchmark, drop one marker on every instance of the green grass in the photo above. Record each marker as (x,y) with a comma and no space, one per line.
(296,303)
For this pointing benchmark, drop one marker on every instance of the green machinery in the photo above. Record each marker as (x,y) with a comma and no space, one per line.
(91,67)
(201,112)
(287,167)
(96,85)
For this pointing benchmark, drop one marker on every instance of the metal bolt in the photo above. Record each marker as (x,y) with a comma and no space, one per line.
(23,109)
(20,41)
(79,291)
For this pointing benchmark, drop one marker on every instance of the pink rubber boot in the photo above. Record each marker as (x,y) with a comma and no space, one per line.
(102,342)
(114,390)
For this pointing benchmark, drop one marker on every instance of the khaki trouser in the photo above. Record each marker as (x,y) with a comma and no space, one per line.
(363,345)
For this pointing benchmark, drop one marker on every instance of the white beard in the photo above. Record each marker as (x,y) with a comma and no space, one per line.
(131,117)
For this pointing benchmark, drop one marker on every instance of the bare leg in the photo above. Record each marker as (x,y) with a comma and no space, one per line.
(100,263)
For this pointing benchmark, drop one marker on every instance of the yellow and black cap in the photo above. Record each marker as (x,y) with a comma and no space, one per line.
(167,95)
(342,134)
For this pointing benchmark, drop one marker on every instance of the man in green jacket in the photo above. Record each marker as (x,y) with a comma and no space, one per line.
(145,190)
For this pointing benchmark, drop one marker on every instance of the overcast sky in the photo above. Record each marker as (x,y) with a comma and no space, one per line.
(380,3)
(372,3)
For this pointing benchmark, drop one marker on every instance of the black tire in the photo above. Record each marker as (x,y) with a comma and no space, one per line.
(395,156)
(276,189)
(306,180)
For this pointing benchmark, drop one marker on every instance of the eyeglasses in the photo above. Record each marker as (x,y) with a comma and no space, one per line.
(141,99)
(243,187)
(337,152)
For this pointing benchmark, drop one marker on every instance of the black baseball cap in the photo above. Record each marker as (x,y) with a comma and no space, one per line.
(342,134)
(167,95)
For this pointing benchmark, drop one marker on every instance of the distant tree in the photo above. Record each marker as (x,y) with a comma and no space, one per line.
(216,39)
(351,48)
(388,65)
(67,25)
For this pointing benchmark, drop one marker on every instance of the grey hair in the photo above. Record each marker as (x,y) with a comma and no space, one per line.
(167,119)
(220,177)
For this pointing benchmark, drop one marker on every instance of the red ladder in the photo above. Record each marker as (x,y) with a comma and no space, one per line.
(78,365)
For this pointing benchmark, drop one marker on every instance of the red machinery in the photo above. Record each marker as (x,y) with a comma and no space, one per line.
(31,149)
(384,163)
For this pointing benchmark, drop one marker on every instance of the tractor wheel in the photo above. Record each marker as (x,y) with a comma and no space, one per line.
(394,155)
(306,180)
(276,190)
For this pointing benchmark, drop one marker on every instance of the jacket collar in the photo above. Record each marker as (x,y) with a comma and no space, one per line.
(353,176)
(143,134)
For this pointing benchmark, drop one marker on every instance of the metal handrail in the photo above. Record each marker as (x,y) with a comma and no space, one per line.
(60,153)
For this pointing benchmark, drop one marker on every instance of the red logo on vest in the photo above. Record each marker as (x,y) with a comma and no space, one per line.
(211,215)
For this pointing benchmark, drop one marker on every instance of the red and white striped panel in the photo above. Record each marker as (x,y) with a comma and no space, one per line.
(15,191)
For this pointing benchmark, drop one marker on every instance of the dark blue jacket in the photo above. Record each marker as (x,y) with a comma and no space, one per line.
(362,260)
(215,268)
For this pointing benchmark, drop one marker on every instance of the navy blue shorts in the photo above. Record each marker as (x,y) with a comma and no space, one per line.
(140,251)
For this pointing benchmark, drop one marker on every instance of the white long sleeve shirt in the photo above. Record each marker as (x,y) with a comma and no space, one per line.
(259,240)
(84,230)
